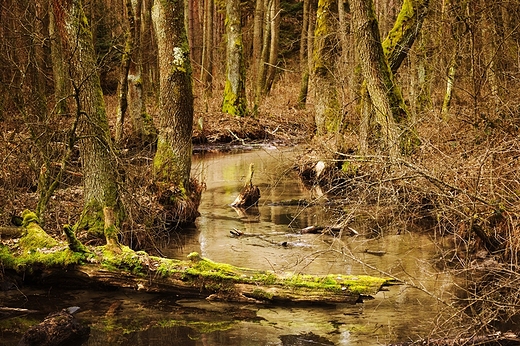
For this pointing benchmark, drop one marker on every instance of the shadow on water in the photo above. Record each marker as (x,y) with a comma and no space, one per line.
(126,317)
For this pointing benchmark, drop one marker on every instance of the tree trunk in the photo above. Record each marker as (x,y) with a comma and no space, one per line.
(97,156)
(207,50)
(386,97)
(304,65)
(275,16)
(406,28)
(126,60)
(450,82)
(328,116)
(234,90)
(172,161)
(62,89)
(149,66)
(258,31)
(456,14)
(264,53)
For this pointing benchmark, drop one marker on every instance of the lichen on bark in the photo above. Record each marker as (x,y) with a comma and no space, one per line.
(328,117)
(234,100)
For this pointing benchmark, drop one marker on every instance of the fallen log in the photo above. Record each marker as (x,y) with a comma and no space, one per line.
(51,262)
(10,231)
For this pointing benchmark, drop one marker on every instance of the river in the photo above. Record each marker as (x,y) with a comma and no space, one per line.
(399,313)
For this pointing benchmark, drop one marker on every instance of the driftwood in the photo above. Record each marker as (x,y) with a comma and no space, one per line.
(495,339)
(236,234)
(60,328)
(327,229)
(42,258)
(250,193)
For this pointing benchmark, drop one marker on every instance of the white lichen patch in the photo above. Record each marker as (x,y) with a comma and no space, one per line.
(178,56)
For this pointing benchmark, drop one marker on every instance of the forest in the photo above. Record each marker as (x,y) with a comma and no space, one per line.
(403,112)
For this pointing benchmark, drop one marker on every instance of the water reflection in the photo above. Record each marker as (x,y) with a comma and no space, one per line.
(398,313)
(123,317)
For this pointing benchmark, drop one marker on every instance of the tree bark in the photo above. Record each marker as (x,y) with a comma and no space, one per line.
(97,155)
(62,89)
(406,28)
(455,13)
(275,16)
(264,53)
(172,161)
(234,102)
(327,114)
(386,98)
(304,65)
(207,49)
(258,31)
(126,60)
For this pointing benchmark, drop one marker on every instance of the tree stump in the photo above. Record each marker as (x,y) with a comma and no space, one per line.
(250,194)
(60,328)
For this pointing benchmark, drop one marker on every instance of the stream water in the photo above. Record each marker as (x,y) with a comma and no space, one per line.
(397,314)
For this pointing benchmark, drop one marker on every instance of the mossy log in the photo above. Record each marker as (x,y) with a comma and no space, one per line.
(119,266)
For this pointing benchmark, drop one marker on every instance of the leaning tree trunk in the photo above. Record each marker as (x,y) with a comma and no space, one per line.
(385,59)
(102,211)
(385,96)
(234,90)
(406,29)
(172,161)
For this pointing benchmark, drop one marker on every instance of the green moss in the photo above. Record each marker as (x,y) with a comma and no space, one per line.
(322,34)
(350,168)
(58,256)
(168,267)
(74,244)
(18,325)
(261,294)
(34,236)
(233,104)
(202,327)
(123,258)
(92,219)
(394,36)
(338,283)
(204,268)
